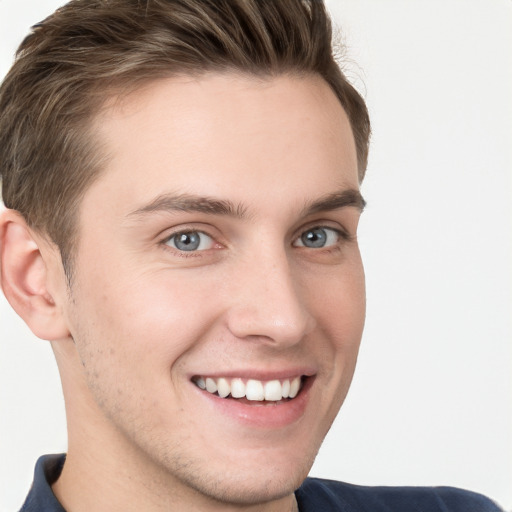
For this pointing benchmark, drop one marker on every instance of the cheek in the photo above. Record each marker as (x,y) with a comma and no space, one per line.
(129,338)
(339,302)
(144,324)
(339,307)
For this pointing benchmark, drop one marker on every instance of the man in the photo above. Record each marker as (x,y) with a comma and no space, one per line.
(182,183)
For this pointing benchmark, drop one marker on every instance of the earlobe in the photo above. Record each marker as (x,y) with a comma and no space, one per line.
(24,278)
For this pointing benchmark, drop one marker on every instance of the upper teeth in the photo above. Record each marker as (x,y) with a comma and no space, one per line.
(251,389)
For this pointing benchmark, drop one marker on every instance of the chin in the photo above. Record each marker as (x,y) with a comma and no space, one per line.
(242,489)
(242,477)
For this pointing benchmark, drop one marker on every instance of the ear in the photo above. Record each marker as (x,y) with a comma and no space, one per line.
(25,279)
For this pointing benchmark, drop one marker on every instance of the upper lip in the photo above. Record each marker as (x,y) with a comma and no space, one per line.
(258,374)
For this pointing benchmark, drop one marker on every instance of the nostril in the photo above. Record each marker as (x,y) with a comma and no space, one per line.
(262,326)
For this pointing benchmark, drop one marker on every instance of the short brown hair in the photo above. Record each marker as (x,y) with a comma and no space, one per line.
(90,50)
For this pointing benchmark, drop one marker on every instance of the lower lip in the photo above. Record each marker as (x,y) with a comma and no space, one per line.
(260,415)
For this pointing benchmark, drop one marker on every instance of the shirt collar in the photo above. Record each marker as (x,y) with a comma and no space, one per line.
(40,497)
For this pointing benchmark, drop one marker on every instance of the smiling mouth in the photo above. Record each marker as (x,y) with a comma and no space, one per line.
(251,390)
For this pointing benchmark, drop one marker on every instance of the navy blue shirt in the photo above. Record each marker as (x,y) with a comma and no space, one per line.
(314,495)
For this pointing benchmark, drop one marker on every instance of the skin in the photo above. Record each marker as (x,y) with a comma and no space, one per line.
(142,317)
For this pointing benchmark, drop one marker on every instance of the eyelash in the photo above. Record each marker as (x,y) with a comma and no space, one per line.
(183,253)
(327,232)
(341,233)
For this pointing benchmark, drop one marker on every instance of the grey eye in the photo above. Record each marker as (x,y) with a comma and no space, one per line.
(316,238)
(190,241)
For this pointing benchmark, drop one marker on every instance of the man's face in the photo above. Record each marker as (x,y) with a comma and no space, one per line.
(218,248)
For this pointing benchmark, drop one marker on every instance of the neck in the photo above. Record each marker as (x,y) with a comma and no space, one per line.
(80,490)
(105,471)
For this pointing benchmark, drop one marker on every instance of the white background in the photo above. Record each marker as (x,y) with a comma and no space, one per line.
(431,402)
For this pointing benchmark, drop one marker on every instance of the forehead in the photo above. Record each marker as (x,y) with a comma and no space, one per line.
(225,135)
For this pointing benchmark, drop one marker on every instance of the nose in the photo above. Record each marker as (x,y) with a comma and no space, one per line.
(267,302)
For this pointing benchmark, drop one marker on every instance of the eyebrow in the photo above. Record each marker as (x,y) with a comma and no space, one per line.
(348,197)
(213,206)
(191,203)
